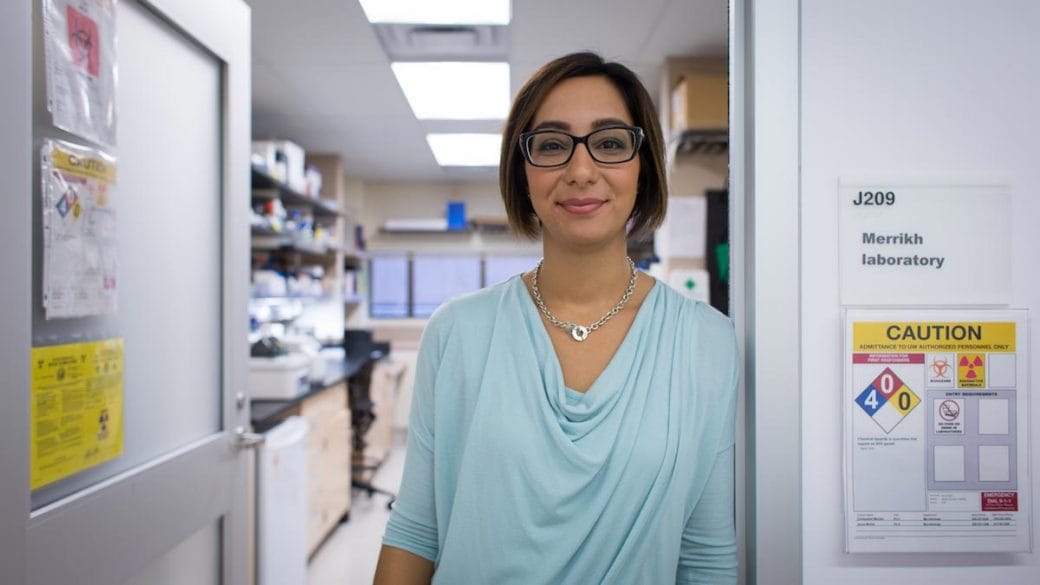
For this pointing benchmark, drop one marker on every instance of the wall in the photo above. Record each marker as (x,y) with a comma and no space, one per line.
(888,88)
(402,200)
(377,202)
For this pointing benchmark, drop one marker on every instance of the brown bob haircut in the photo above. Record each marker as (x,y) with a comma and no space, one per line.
(652,189)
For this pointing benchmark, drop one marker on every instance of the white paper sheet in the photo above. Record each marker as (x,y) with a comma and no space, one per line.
(80,265)
(80,53)
(936,421)
(683,233)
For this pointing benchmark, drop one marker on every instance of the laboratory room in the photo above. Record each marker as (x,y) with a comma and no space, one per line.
(518,292)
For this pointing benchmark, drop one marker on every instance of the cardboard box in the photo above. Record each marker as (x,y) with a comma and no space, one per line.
(700,101)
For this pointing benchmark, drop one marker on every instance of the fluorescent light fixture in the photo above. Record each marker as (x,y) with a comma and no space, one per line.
(465,150)
(455,91)
(438,11)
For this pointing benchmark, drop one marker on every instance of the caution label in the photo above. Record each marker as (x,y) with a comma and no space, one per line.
(76,408)
(933,337)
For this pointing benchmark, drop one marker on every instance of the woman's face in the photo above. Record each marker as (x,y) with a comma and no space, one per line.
(583,203)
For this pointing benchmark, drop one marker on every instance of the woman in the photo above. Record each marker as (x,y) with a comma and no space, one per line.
(575,423)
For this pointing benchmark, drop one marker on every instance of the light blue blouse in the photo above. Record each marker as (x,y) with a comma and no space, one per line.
(512,478)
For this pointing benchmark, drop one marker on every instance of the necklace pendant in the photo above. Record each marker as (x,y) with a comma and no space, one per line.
(579,333)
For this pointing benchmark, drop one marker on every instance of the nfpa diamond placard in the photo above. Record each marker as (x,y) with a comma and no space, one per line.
(887,400)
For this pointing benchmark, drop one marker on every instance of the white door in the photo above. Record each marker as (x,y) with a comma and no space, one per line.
(173,507)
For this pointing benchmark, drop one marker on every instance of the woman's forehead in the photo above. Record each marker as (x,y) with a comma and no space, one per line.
(582,102)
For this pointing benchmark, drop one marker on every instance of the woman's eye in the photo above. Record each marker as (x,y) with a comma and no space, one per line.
(550,146)
(609,144)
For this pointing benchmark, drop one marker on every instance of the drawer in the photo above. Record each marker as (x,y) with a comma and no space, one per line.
(324,404)
(333,433)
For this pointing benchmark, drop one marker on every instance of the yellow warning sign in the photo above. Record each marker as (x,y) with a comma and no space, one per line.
(76,408)
(889,336)
(971,370)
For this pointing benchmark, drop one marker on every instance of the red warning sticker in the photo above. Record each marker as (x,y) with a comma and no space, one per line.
(999,501)
(84,44)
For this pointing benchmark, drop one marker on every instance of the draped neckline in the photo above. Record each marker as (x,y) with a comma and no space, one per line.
(573,405)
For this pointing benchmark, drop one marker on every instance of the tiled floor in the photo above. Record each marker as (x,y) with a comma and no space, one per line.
(349,555)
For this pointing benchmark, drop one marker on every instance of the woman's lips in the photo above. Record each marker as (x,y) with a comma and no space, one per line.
(581,206)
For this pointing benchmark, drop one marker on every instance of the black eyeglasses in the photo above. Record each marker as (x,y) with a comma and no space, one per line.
(553,148)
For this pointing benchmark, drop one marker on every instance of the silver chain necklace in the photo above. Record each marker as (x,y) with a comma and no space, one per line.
(581,332)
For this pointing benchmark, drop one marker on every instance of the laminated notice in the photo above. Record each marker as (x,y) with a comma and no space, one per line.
(80,263)
(76,408)
(80,54)
(936,420)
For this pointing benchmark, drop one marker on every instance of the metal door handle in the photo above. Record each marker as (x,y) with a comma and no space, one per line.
(247,440)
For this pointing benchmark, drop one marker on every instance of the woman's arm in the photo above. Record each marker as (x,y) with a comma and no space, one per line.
(400,567)
(709,544)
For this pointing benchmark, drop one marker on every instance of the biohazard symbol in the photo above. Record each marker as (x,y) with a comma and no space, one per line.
(941,367)
(971,370)
(83,41)
(103,425)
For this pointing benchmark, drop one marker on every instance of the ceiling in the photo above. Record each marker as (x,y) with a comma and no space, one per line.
(322,79)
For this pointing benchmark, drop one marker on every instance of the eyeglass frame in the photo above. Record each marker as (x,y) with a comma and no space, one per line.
(576,140)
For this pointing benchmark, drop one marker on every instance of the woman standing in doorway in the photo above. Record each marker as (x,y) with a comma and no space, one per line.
(574,424)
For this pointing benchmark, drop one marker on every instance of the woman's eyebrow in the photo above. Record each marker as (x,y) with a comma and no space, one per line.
(560,125)
(604,122)
(552,124)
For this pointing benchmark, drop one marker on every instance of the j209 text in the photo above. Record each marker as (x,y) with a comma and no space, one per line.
(875,198)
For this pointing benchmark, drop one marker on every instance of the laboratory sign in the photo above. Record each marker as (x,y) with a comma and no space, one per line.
(914,244)
(936,410)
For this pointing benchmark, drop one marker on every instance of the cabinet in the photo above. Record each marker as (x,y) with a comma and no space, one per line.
(383,389)
(328,461)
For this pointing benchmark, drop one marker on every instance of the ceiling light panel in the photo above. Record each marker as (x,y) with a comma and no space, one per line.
(455,91)
(439,12)
(465,150)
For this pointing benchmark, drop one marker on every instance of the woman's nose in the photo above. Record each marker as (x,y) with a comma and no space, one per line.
(581,168)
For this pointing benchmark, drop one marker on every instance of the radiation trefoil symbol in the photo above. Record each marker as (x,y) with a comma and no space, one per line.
(971,370)
(887,400)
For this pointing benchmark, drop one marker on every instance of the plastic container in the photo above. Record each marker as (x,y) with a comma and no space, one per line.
(279,378)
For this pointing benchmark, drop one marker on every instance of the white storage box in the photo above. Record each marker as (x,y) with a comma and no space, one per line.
(284,161)
(279,378)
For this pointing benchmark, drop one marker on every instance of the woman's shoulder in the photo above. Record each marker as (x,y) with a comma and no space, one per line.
(708,333)
(706,319)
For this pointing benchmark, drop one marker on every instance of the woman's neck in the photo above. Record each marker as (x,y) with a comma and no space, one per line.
(581,286)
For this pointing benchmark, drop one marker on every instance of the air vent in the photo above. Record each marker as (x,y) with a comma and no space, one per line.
(425,42)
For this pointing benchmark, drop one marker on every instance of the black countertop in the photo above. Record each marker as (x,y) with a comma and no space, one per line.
(266,414)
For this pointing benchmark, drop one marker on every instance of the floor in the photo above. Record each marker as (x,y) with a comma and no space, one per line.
(349,555)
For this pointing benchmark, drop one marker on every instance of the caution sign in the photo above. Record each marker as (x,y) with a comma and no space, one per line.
(936,445)
(76,408)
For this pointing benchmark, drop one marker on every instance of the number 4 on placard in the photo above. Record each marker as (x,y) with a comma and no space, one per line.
(871,399)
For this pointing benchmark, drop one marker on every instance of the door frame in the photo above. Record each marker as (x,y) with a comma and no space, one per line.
(765,157)
(62,542)
(16,266)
